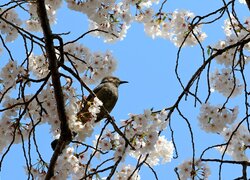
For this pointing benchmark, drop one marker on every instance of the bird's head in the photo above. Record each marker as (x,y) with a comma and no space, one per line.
(111,79)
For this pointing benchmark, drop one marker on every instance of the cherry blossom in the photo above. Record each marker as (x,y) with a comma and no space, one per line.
(10,16)
(239,143)
(215,119)
(200,171)
(225,82)
(92,66)
(21,112)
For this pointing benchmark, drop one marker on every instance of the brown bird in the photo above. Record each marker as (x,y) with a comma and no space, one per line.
(107,92)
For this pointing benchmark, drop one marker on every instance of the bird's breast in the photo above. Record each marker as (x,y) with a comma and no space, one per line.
(108,96)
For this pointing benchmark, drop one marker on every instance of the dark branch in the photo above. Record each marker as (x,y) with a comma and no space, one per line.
(65,136)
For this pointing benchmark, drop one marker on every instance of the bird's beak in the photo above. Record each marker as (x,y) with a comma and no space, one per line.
(122,82)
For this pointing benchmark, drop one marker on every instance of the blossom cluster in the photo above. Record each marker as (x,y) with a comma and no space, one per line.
(161,154)
(10,74)
(225,82)
(19,115)
(67,162)
(67,165)
(37,170)
(83,123)
(11,128)
(176,26)
(200,171)
(239,142)
(93,66)
(47,101)
(227,58)
(39,65)
(142,131)
(235,32)
(10,16)
(15,127)
(126,173)
(112,20)
(73,165)
(33,24)
(215,119)
(43,110)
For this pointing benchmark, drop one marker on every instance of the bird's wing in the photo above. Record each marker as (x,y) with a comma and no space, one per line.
(90,97)
(88,101)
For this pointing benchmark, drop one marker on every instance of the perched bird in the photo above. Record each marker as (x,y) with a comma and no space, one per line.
(107,92)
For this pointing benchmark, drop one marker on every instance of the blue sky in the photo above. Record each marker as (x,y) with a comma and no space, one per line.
(148,65)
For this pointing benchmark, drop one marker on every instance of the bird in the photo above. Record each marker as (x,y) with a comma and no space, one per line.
(107,92)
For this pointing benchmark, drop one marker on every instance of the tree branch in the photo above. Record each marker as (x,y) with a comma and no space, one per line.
(248,3)
(65,136)
(243,41)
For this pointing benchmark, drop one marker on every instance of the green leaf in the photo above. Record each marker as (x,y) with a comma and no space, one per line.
(208,50)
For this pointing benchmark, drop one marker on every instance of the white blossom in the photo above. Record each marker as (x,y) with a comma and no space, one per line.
(126,172)
(68,164)
(225,82)
(5,28)
(142,130)
(176,27)
(200,171)
(10,74)
(33,23)
(39,65)
(91,66)
(214,119)
(238,144)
